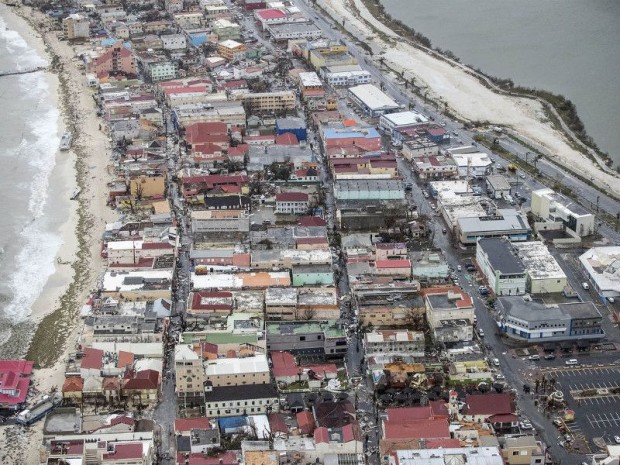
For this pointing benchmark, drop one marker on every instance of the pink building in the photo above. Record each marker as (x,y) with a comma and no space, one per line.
(116,60)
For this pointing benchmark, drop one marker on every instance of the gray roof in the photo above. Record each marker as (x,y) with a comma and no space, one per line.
(507,219)
(245,392)
(501,256)
(369,185)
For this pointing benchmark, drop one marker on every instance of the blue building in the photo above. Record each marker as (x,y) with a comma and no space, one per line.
(293,125)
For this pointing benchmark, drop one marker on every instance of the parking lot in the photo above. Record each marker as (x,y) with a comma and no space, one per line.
(597,419)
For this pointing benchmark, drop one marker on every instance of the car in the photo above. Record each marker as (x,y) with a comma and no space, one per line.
(444,230)
(557,422)
(534,357)
(496,362)
(585,285)
(549,357)
(525,425)
(617,439)
(572,361)
(522,176)
(499,376)
(459,268)
(480,333)
(611,300)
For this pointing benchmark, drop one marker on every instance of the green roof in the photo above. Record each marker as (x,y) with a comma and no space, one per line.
(220,338)
(328,327)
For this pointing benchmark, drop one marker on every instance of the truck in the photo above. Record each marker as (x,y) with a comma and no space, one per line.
(39,410)
(512,167)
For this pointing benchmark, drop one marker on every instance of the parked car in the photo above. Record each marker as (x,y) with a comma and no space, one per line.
(572,361)
(549,357)
(534,357)
(525,425)
(585,285)
(617,439)
(480,333)
(459,268)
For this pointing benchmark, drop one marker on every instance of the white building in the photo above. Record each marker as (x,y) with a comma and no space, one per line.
(237,371)
(544,273)
(450,314)
(447,456)
(345,75)
(297,30)
(400,342)
(602,264)
(556,208)
(401,119)
(174,42)
(504,271)
(372,100)
(162,70)
(505,222)
(472,164)
(294,203)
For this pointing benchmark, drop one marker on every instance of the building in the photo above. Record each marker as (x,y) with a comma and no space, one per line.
(602,265)
(293,125)
(295,30)
(14,384)
(251,5)
(369,189)
(522,450)
(137,285)
(231,50)
(115,60)
(323,53)
(190,375)
(226,30)
(394,121)
(161,70)
(367,139)
(323,338)
(345,75)
(399,343)
(269,102)
(173,42)
(270,16)
(534,322)
(292,203)
(552,207)
(505,222)
(233,401)
(312,275)
(447,456)
(237,371)
(503,269)
(76,26)
(372,100)
(497,186)
(450,313)
(544,273)
(472,165)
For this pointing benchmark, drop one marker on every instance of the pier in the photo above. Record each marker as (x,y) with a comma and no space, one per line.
(23,71)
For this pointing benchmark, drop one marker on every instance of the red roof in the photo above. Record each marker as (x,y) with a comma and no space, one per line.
(283,364)
(239,150)
(311,240)
(227,458)
(213,300)
(288,138)
(143,380)
(321,435)
(305,422)
(488,404)
(73,384)
(421,429)
(199,132)
(124,452)
(443,443)
(404,263)
(277,423)
(92,359)
(22,367)
(291,197)
(271,13)
(464,302)
(503,418)
(311,221)
(156,245)
(125,359)
(184,425)
(404,414)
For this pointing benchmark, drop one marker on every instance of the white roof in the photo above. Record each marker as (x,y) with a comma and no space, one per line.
(603,266)
(478,159)
(309,79)
(449,456)
(539,263)
(124,245)
(373,97)
(230,43)
(232,366)
(140,349)
(184,352)
(405,118)
(116,280)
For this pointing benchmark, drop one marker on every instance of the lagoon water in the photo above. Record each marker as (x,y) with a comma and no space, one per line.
(569,47)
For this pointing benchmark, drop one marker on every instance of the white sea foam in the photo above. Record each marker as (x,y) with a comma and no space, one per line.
(38,239)
(17,46)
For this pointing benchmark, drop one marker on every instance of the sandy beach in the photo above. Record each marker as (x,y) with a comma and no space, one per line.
(465,95)
(78,261)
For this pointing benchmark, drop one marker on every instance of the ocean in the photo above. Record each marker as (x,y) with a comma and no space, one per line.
(568,47)
(32,212)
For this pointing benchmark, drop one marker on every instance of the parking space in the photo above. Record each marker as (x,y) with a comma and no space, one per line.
(596,416)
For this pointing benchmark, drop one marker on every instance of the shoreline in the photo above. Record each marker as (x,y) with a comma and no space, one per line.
(54,313)
(460,90)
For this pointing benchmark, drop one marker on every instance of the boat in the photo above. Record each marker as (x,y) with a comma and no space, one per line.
(76,193)
(39,410)
(66,140)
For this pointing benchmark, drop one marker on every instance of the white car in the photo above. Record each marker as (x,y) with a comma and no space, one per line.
(525,425)
(617,439)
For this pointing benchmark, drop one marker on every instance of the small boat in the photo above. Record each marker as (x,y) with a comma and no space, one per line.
(76,193)
(66,140)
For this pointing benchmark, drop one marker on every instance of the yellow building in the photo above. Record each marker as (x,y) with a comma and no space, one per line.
(231,50)
(334,54)
(270,102)
(76,27)
(523,450)
(145,187)
(189,373)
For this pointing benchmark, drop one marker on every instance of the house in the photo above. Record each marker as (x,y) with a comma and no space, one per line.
(450,313)
(247,399)
(305,422)
(321,337)
(72,388)
(394,343)
(312,275)
(295,203)
(479,408)
(142,388)
(502,268)
(552,207)
(286,370)
(91,363)
(14,384)
(395,268)
(236,371)
(210,304)
(522,450)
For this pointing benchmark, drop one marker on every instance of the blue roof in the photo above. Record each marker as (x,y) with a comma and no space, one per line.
(108,41)
(367,133)
(198,39)
(232,422)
